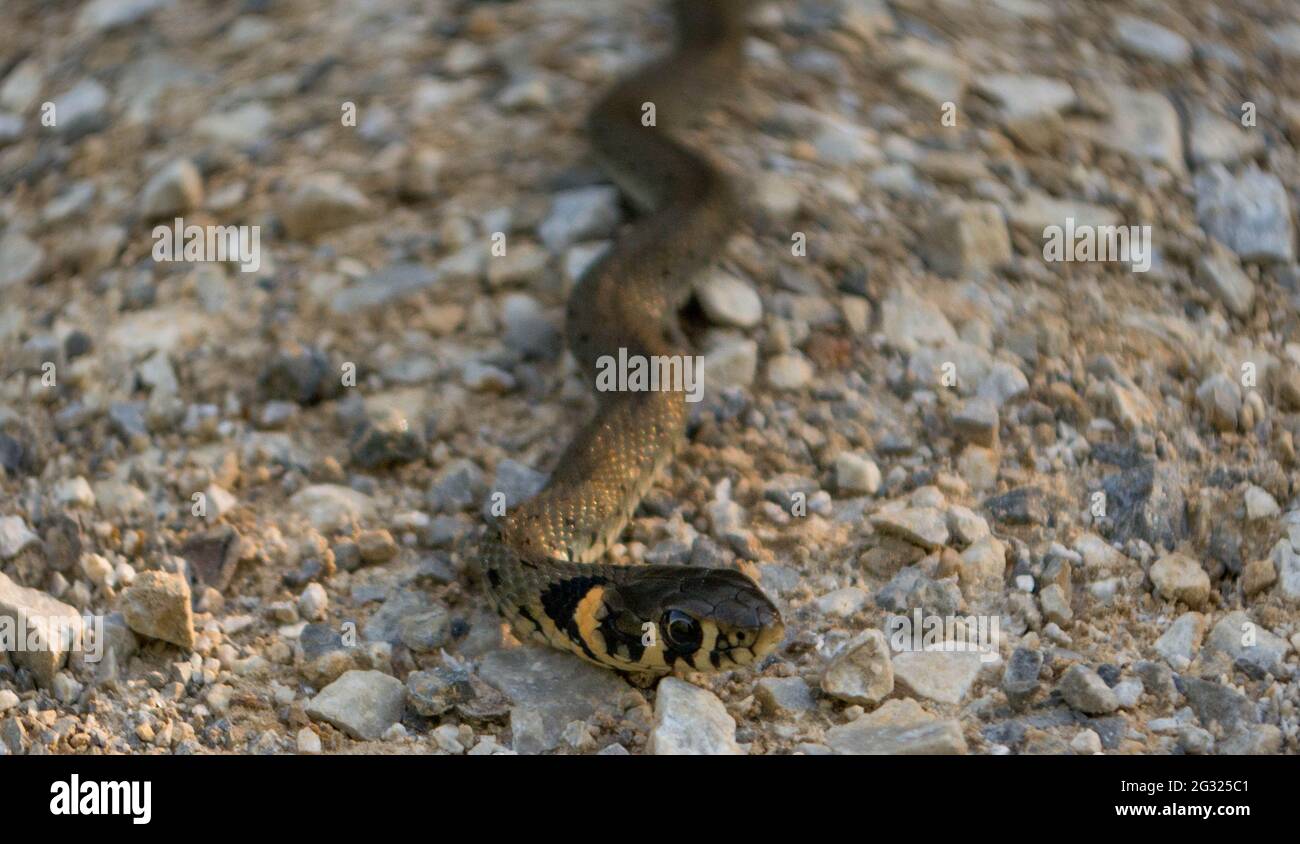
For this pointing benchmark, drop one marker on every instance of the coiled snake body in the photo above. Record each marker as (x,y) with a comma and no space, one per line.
(538,560)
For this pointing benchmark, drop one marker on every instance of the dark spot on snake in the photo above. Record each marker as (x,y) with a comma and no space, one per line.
(561,599)
(494,578)
(526,614)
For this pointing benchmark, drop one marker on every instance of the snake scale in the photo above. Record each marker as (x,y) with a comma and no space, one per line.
(539,560)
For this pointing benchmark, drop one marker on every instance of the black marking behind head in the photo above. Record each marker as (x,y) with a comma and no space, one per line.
(560,601)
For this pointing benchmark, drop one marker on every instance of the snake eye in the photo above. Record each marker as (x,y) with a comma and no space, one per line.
(683,632)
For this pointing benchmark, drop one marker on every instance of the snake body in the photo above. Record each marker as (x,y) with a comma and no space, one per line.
(539,561)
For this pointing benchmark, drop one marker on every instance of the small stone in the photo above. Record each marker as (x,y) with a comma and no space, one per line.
(173,191)
(1219,271)
(21,259)
(549,690)
(313,602)
(157,605)
(529,330)
(15,537)
(1244,643)
(447,738)
(1178,577)
(1146,502)
(1055,604)
(1003,383)
(426,632)
(580,214)
(1021,506)
(1259,504)
(1086,743)
(730,360)
(690,721)
(976,421)
(106,15)
(1083,690)
(784,695)
(923,526)
(82,110)
(933,84)
(1258,576)
(969,239)
(1212,138)
(856,474)
(485,378)
(331,507)
(862,671)
(1127,692)
(53,626)
(523,264)
(790,371)
(983,564)
(1287,563)
(841,143)
(1146,39)
(1215,703)
(321,203)
(899,727)
(363,704)
(965,525)
(1248,212)
(843,603)
(308,741)
(910,321)
(304,375)
(1179,643)
(1257,740)
(1020,677)
(939,675)
(1143,125)
(1157,678)
(1027,96)
(728,300)
(385,439)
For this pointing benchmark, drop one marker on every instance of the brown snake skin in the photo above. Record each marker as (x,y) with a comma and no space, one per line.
(538,560)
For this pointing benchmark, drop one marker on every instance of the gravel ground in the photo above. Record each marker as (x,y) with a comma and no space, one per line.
(255,484)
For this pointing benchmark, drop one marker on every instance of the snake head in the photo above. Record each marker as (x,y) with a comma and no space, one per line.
(695,619)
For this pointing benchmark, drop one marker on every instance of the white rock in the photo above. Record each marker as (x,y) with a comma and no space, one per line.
(313,602)
(174,190)
(1259,504)
(332,507)
(941,676)
(1149,40)
(363,704)
(1027,96)
(856,474)
(789,371)
(308,741)
(728,300)
(862,671)
(690,721)
(15,537)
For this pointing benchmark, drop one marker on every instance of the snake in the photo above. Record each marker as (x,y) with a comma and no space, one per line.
(542,560)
